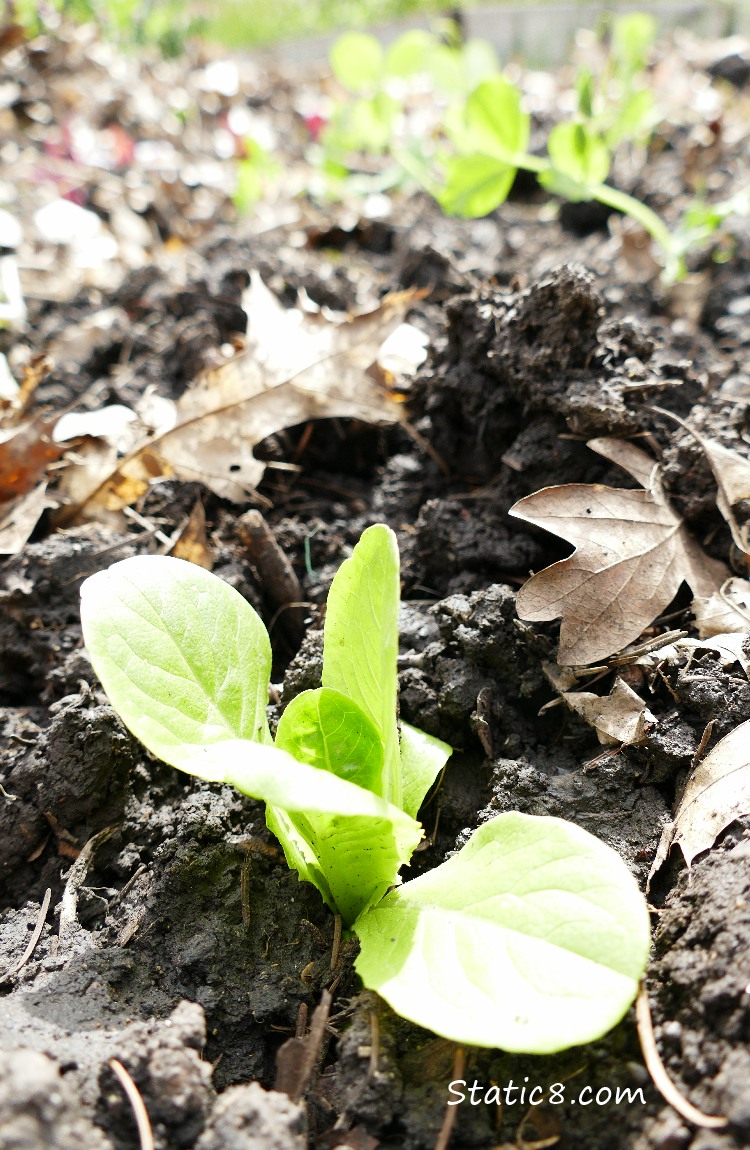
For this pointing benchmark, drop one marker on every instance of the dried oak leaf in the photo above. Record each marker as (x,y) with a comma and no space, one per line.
(632,553)
(296,367)
(621,717)
(716,793)
(728,609)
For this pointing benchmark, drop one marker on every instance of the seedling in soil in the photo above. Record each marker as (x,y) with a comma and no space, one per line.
(533,937)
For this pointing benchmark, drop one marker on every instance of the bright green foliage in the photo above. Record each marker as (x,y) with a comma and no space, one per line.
(360,643)
(256,171)
(535,931)
(580,161)
(357,61)
(533,937)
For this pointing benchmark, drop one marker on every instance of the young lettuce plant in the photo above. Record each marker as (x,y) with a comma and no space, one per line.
(533,937)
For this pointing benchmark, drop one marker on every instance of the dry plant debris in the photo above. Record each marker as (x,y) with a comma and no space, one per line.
(632,553)
(728,609)
(295,367)
(620,718)
(716,793)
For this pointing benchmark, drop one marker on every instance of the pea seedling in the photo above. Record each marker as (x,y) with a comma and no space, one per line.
(533,937)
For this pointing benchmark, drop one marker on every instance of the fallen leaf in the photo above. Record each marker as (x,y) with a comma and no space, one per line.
(732,475)
(621,717)
(19,517)
(296,368)
(193,544)
(728,609)
(729,647)
(716,793)
(25,454)
(632,553)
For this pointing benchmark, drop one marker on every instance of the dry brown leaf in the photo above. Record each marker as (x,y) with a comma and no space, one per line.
(19,517)
(25,454)
(728,609)
(729,647)
(632,553)
(296,368)
(620,717)
(732,475)
(193,544)
(716,793)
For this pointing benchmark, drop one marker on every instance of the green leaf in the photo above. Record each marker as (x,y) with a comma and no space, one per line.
(422,759)
(495,122)
(580,160)
(360,641)
(632,37)
(184,659)
(532,938)
(345,839)
(357,61)
(330,731)
(474,185)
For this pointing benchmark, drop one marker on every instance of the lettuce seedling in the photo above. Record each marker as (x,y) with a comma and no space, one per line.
(533,937)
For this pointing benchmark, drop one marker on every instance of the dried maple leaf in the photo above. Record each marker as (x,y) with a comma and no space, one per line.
(732,474)
(621,717)
(296,368)
(632,553)
(728,609)
(716,793)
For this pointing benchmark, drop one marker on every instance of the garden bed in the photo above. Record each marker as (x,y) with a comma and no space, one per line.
(176,940)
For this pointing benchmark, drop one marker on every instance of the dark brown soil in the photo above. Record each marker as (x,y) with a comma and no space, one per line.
(192,948)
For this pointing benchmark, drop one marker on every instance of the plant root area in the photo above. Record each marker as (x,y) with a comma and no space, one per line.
(174,939)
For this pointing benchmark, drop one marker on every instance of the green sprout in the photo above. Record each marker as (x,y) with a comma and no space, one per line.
(533,937)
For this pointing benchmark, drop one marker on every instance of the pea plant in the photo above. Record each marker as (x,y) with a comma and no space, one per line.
(467,157)
(532,937)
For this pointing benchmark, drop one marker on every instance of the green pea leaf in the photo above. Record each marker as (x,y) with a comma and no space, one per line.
(474,185)
(184,659)
(330,731)
(532,938)
(357,61)
(580,160)
(495,122)
(360,642)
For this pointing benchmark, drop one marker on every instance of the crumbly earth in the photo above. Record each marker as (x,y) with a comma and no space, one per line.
(192,949)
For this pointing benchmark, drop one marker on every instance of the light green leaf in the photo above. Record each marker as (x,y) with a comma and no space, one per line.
(633,34)
(352,838)
(532,938)
(357,61)
(360,641)
(580,160)
(422,759)
(184,659)
(474,185)
(330,731)
(495,122)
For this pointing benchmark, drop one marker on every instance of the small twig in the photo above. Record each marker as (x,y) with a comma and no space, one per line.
(301,1025)
(336,942)
(374,1044)
(133,1095)
(128,887)
(157,533)
(76,878)
(705,739)
(657,1070)
(17,966)
(245,889)
(451,1112)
